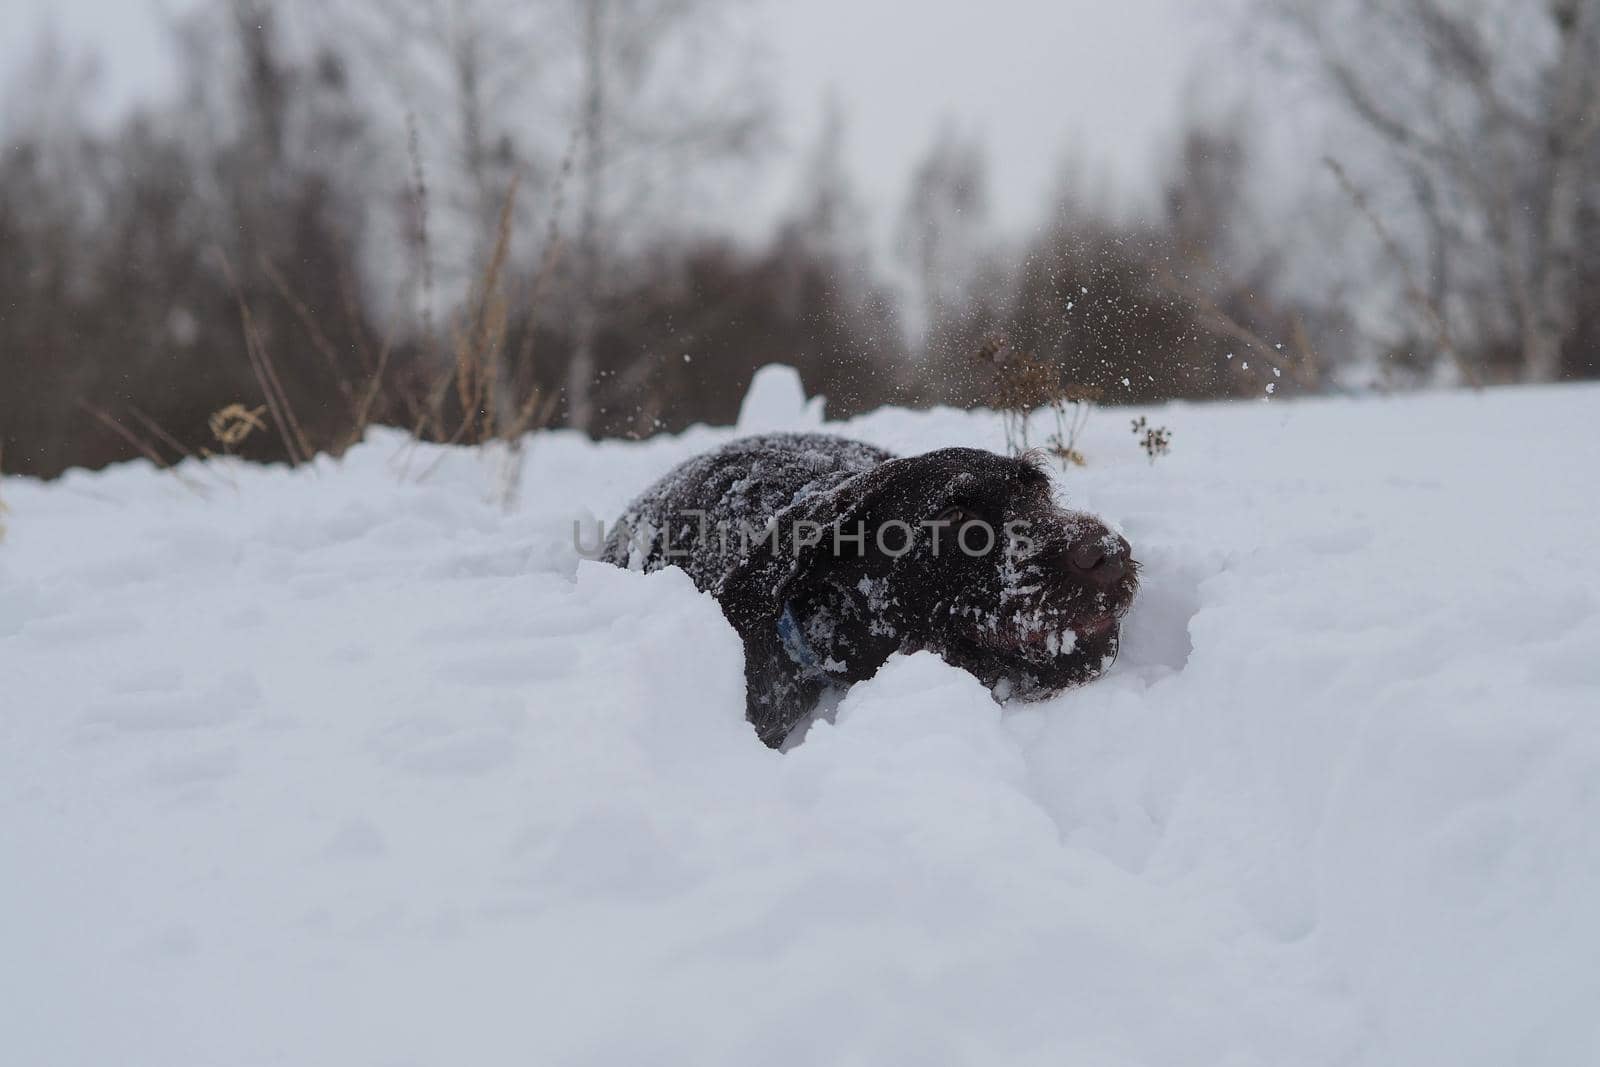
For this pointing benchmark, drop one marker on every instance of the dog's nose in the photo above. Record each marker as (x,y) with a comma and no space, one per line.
(1101,561)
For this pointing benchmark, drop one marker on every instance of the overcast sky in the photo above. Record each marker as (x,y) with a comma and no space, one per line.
(1038,80)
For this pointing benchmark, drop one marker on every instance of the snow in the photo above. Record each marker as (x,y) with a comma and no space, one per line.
(776,400)
(345,765)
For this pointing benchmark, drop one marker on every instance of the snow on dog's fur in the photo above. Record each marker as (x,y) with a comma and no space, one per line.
(830,555)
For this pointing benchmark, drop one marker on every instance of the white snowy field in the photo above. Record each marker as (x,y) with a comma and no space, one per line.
(351,766)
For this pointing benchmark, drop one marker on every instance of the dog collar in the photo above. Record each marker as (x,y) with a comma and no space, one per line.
(794,642)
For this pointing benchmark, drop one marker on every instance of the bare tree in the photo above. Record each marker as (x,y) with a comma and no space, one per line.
(1573,112)
(1489,112)
(581,369)
(593,106)
(649,112)
(467,75)
(941,228)
(828,218)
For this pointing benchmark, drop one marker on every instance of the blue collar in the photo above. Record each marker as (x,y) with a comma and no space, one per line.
(793,639)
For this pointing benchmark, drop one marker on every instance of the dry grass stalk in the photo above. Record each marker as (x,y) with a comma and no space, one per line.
(308,321)
(361,418)
(419,187)
(493,398)
(478,374)
(144,448)
(295,444)
(355,322)
(552,248)
(1023,384)
(229,426)
(476,377)
(232,424)
(487,331)
(536,411)
(160,433)
(361,404)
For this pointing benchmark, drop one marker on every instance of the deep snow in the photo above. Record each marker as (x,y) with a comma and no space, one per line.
(347,766)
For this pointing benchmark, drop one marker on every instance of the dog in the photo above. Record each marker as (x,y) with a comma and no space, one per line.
(829,555)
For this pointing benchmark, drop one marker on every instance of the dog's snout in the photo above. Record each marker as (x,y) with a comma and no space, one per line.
(1102,561)
(1086,558)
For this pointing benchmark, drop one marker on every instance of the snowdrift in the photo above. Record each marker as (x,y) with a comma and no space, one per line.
(347,765)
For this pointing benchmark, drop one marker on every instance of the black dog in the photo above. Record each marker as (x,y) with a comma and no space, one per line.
(829,555)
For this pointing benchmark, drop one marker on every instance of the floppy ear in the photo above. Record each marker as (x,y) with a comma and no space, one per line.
(756,593)
(763,583)
(838,509)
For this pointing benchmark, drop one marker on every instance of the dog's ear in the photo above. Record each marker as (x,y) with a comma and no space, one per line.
(839,509)
(765,582)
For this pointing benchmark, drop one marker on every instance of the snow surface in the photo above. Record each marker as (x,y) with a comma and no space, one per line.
(347,766)
(776,400)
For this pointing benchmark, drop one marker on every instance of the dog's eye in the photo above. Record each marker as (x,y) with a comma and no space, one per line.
(954,516)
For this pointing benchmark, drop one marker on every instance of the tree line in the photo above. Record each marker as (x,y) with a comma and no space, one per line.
(352,221)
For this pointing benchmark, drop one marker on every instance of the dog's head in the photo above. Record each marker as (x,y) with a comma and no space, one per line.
(967,554)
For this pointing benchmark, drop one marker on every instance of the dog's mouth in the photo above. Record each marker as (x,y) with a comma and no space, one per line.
(1043,637)
(1047,630)
(1061,638)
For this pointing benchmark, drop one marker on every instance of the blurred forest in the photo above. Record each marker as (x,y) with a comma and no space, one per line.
(284,255)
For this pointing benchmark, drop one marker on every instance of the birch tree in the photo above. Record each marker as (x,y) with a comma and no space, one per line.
(1487,113)
(660,95)
(942,225)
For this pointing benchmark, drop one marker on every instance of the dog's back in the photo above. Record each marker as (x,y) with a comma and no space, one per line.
(695,516)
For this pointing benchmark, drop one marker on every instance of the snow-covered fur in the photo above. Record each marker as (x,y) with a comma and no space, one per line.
(830,555)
